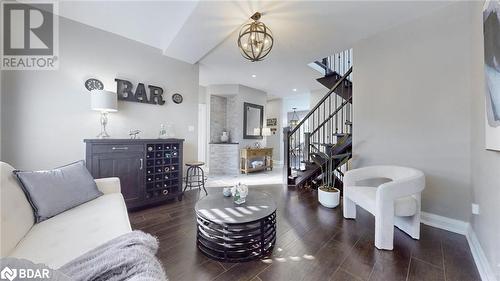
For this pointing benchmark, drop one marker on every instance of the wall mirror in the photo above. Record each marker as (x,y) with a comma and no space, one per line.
(253,119)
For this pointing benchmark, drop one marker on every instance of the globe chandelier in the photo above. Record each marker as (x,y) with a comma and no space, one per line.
(255,39)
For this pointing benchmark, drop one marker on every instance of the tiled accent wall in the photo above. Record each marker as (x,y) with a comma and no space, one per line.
(224,159)
(217,117)
(234,120)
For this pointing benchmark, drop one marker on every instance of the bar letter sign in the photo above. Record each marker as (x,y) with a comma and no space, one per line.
(124,90)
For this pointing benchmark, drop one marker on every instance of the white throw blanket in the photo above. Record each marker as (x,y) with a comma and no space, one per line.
(128,257)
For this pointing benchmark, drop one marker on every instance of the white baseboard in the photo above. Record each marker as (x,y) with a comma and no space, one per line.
(464,228)
(453,225)
(483,266)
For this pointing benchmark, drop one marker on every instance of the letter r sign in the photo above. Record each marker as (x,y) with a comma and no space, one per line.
(29,35)
(28,29)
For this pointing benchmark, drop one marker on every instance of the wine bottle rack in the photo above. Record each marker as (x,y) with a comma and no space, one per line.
(162,169)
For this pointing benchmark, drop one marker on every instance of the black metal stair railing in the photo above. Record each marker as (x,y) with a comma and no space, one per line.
(330,119)
(340,63)
(326,123)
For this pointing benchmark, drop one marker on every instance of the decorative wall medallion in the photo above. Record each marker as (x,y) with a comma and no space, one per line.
(93,84)
(177,98)
(124,90)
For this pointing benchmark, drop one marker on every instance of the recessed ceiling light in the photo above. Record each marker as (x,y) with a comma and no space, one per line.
(253,75)
(295,90)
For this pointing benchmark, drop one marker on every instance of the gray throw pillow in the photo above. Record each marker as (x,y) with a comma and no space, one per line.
(55,191)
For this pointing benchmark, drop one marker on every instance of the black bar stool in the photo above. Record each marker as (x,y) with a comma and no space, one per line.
(195,176)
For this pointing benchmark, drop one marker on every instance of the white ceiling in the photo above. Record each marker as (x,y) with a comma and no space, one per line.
(206,32)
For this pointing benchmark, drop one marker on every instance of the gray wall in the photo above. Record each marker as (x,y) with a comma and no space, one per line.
(429,113)
(237,95)
(251,95)
(273,110)
(485,164)
(412,105)
(46,114)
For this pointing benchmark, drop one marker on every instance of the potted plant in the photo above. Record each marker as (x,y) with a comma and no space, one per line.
(328,195)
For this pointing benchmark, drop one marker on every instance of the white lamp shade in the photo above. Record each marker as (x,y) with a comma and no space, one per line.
(103,101)
(266,132)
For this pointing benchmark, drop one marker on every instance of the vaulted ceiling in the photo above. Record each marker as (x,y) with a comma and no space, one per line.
(205,32)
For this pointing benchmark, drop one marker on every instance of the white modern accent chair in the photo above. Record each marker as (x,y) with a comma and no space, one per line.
(394,203)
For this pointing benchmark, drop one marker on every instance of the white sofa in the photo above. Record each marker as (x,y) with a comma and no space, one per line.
(64,237)
(395,203)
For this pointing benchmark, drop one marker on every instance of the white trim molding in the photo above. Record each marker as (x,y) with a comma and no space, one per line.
(464,228)
(453,225)
(483,266)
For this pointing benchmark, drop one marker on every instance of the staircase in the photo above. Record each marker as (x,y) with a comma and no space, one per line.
(325,133)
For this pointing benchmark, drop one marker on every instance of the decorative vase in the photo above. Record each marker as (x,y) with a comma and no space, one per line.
(239,192)
(329,198)
(224,137)
(163,132)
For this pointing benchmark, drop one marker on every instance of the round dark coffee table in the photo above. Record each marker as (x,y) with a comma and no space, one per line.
(235,233)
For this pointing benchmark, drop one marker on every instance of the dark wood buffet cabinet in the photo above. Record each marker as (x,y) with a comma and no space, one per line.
(150,170)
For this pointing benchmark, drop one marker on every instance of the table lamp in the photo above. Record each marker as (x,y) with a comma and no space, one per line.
(104,102)
(266,132)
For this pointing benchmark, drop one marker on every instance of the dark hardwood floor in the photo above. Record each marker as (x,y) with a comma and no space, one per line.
(314,243)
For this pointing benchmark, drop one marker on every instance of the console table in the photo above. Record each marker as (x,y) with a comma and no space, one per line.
(150,170)
(247,155)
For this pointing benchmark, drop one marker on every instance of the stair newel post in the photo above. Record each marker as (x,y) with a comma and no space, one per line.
(329,170)
(346,62)
(296,138)
(318,132)
(325,62)
(313,122)
(324,118)
(336,116)
(307,146)
(342,119)
(287,172)
(343,63)
(349,58)
(294,145)
(329,119)
(339,63)
(299,135)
